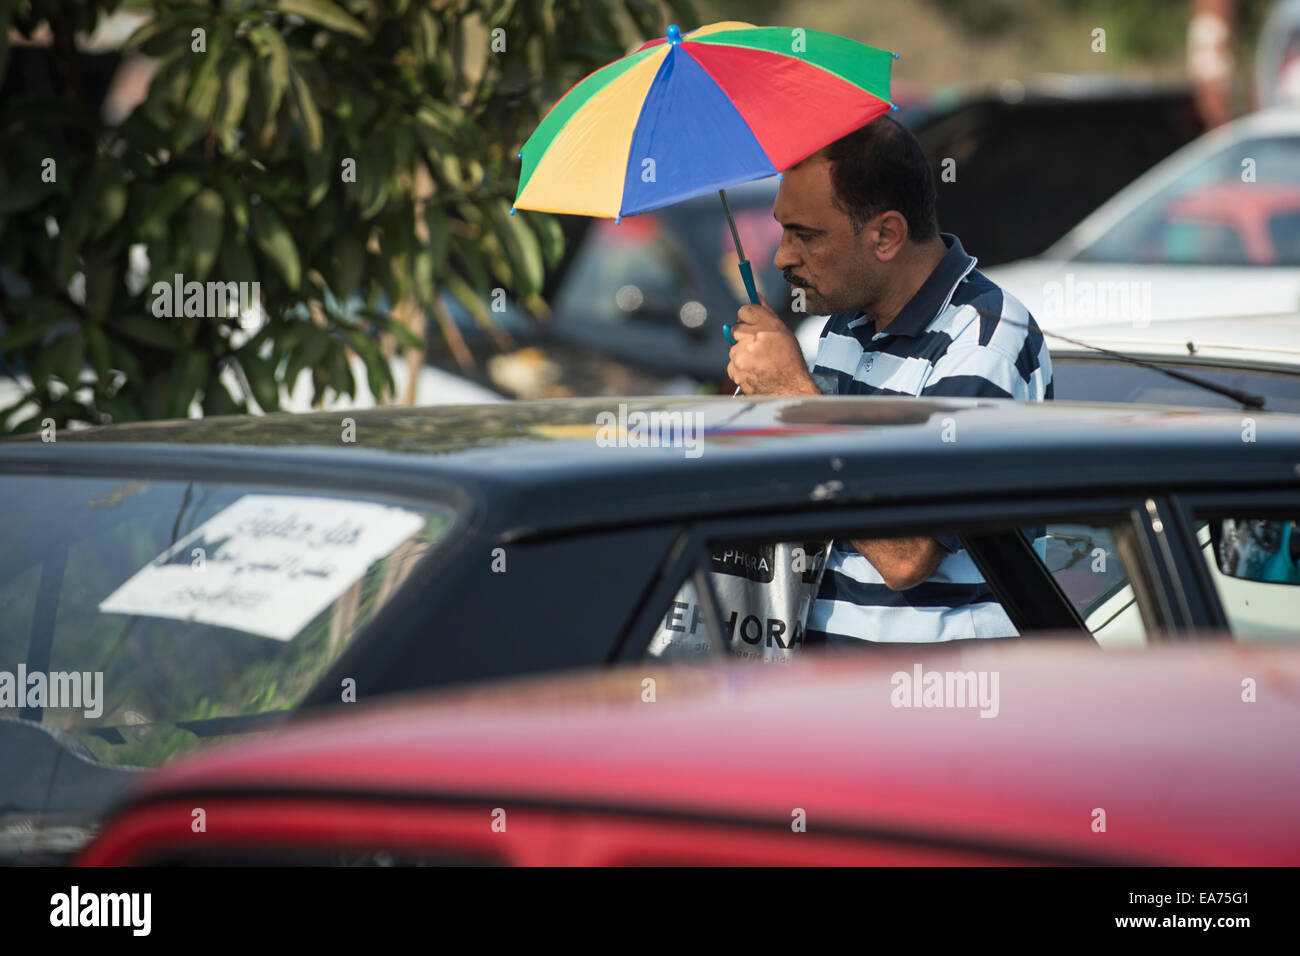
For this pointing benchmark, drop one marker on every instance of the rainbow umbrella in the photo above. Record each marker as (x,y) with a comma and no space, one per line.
(698,112)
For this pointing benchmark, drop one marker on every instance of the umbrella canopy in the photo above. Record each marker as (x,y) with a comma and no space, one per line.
(698,112)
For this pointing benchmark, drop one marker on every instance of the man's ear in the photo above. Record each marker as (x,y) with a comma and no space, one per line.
(889,232)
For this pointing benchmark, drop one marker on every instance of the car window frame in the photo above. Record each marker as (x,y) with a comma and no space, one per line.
(1127,511)
(1237,502)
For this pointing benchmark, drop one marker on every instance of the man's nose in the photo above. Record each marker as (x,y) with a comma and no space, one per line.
(785,257)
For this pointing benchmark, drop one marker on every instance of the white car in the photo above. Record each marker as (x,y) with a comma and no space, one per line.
(1212,230)
(1255,354)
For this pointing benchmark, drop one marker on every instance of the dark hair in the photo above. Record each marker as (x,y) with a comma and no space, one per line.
(881,166)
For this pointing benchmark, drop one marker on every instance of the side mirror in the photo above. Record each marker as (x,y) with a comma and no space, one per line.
(1253,549)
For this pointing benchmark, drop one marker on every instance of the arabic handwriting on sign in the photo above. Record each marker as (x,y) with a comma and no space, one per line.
(289,565)
(229,597)
(288,527)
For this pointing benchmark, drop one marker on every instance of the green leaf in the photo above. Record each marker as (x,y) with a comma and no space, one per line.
(150,331)
(122,409)
(207,215)
(235,199)
(124,360)
(378,374)
(276,243)
(40,314)
(188,374)
(439,226)
(339,373)
(523,252)
(218,401)
(313,131)
(314,345)
(550,234)
(260,375)
(234,99)
(326,14)
(347,264)
(175,192)
(318,166)
(68,358)
(273,65)
(201,101)
(100,353)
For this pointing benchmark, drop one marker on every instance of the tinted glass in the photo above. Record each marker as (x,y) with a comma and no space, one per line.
(1088,380)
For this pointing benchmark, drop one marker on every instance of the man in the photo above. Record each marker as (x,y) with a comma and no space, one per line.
(909,315)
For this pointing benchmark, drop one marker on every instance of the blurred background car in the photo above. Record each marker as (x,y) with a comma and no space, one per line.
(586,770)
(1214,230)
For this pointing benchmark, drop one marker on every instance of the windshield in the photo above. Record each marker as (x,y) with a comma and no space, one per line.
(1102,380)
(154,613)
(1240,207)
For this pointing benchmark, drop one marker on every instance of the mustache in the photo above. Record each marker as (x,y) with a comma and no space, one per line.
(792,279)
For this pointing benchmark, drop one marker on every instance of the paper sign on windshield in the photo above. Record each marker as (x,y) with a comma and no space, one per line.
(268,565)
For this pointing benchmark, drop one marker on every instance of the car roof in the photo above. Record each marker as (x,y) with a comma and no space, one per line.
(1160,739)
(542,467)
(1272,339)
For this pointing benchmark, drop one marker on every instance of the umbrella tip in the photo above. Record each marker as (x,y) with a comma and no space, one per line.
(896,56)
(894,107)
(780,177)
(519,155)
(674,34)
(617,220)
(512,210)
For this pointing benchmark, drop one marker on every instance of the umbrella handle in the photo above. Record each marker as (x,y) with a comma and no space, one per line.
(747,273)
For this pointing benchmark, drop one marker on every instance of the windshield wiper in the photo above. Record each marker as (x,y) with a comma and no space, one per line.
(1246,399)
(205,727)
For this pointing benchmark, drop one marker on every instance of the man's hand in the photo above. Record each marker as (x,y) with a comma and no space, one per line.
(766,359)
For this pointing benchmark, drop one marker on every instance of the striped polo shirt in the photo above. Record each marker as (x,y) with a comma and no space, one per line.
(938,345)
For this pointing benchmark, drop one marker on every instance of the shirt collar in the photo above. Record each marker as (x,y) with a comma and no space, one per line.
(934,295)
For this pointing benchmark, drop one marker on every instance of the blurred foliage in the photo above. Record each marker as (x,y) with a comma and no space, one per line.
(1140,28)
(233,170)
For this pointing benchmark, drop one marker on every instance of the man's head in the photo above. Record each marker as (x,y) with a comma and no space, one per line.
(849,214)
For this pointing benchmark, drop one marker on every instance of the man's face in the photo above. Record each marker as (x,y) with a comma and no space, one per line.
(819,251)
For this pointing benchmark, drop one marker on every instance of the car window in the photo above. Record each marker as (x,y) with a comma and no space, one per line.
(1241,206)
(177,606)
(776,599)
(1084,563)
(674,267)
(637,269)
(1257,610)
(1092,380)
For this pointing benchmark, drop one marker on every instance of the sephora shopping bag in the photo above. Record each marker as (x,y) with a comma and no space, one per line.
(764,595)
